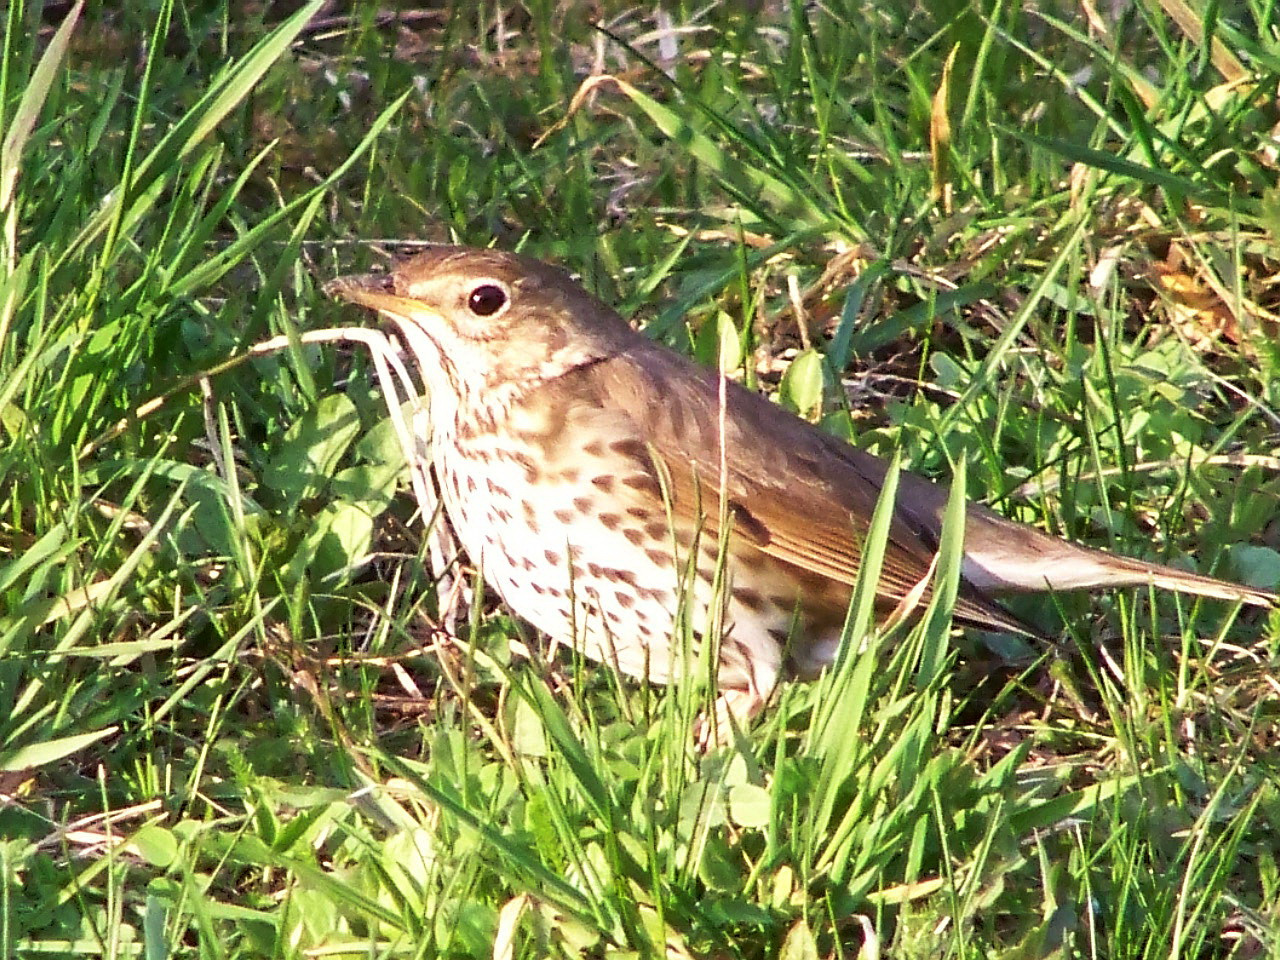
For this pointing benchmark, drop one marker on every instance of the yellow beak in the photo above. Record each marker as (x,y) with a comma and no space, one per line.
(372,290)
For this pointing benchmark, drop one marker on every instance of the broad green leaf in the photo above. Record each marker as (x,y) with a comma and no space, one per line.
(802,385)
(750,806)
(800,944)
(718,344)
(309,453)
(155,844)
(370,485)
(1257,566)
(344,536)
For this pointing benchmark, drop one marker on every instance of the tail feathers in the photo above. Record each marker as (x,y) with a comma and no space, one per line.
(1064,566)
(1183,582)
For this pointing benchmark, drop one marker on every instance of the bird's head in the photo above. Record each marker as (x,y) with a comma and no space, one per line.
(479,323)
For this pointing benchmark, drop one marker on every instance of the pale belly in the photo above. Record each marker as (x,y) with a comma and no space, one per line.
(609,579)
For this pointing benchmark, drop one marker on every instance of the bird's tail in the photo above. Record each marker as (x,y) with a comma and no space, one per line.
(1059,565)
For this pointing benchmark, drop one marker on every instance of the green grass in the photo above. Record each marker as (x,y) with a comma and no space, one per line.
(228,726)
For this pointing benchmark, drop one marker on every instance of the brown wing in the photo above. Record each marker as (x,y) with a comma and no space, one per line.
(806,497)
(795,494)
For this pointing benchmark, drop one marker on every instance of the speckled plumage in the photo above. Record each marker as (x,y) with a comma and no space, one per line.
(581,468)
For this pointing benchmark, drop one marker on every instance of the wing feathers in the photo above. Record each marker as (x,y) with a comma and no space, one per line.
(803,498)
(779,500)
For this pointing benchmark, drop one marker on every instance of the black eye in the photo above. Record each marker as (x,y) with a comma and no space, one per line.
(487,299)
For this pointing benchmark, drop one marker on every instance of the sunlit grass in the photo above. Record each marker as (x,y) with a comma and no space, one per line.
(231,723)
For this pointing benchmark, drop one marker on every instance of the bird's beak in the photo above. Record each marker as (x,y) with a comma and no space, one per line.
(375,291)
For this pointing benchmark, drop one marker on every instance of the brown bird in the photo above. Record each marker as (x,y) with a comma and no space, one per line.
(586,470)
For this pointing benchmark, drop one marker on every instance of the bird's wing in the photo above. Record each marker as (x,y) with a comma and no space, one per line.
(792,492)
(806,498)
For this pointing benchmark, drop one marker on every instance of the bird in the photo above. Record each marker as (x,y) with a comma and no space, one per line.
(614,492)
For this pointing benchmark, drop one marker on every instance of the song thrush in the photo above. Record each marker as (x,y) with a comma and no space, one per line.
(580,463)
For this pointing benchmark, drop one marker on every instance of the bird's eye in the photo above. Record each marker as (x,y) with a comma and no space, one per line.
(487,299)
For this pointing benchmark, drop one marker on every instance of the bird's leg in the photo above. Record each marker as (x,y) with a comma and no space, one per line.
(746,678)
(731,716)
